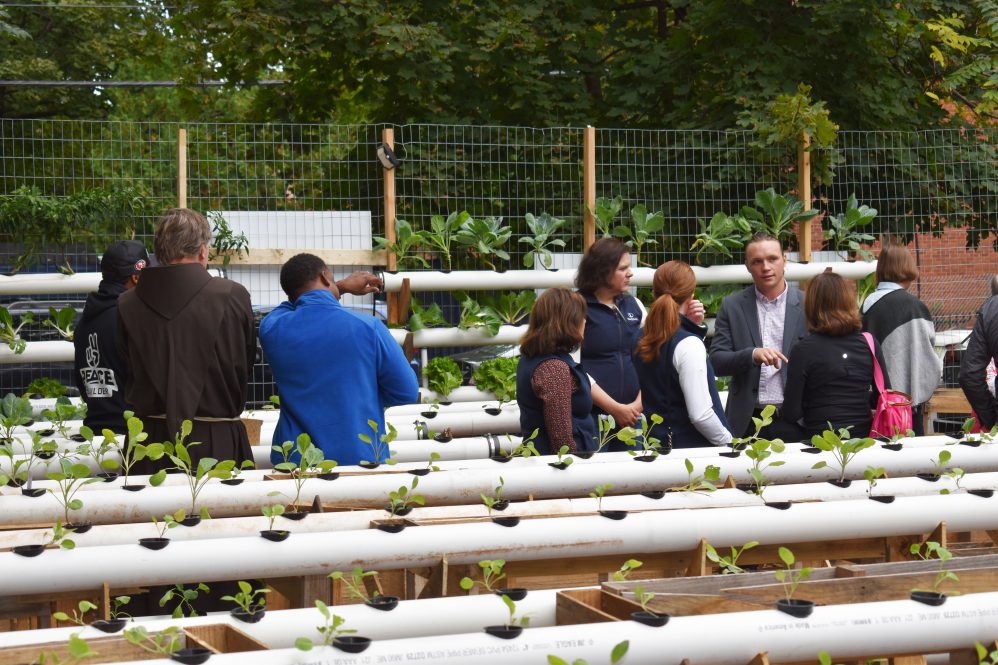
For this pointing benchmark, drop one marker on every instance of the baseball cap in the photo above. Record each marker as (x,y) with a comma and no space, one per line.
(123,259)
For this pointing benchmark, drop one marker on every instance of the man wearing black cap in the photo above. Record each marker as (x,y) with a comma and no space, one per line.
(99,370)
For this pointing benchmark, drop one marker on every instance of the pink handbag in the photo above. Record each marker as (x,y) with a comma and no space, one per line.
(893,413)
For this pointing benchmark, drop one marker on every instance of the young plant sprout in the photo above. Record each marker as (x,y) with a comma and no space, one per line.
(248,599)
(898,435)
(380,443)
(311,462)
(59,539)
(330,629)
(625,570)
(185,598)
(434,457)
(98,452)
(403,498)
(956,474)
(196,475)
(522,621)
(616,654)
(132,450)
(69,479)
(77,650)
(927,552)
(791,577)
(169,522)
(355,582)
(272,513)
(162,643)
(491,575)
(598,492)
(607,431)
(633,436)
(872,474)
(84,606)
(64,410)
(496,498)
(984,656)
(643,597)
(729,564)
(11,334)
(14,412)
(563,461)
(765,419)
(62,322)
(843,449)
(939,464)
(704,483)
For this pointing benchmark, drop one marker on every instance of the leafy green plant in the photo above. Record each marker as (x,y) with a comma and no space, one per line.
(843,231)
(484,238)
(872,474)
(197,475)
(133,451)
(474,315)
(68,480)
(99,451)
(59,538)
(491,501)
(642,231)
(625,570)
(45,387)
(330,628)
(759,451)
(605,212)
(62,321)
(430,466)
(791,577)
(77,650)
(729,564)
(355,582)
(380,443)
(564,459)
(523,621)
(247,598)
(777,214)
(722,236)
(497,376)
(985,437)
(930,550)
(272,512)
(421,317)
(225,242)
(525,448)
(956,474)
(83,608)
(443,375)
(14,412)
(509,307)
(404,497)
(491,575)
(185,597)
(162,643)
(702,483)
(599,492)
(606,431)
(843,449)
(985,657)
(408,242)
(311,461)
(63,411)
(169,522)
(643,597)
(442,232)
(20,465)
(642,436)
(11,334)
(939,464)
(541,239)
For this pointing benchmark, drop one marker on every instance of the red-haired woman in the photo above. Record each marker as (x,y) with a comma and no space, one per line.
(830,372)
(677,380)
(552,391)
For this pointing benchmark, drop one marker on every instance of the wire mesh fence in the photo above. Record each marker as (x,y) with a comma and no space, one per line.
(321,186)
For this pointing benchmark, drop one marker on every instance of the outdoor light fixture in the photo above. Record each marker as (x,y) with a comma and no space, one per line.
(387,157)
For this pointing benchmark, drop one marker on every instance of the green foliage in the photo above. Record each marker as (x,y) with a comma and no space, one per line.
(429,317)
(642,436)
(169,522)
(791,577)
(132,450)
(872,474)
(474,315)
(985,657)
(510,307)
(598,492)
(497,376)
(491,501)
(272,512)
(702,483)
(563,458)
(84,607)
(843,449)
(45,387)
(721,237)
(185,597)
(68,480)
(777,215)
(759,450)
(929,550)
(62,411)
(197,474)
(643,597)
(380,443)
(513,619)
(225,242)
(311,461)
(98,451)
(605,212)
(14,412)
(247,598)
(443,375)
(162,643)
(77,650)
(404,497)
(330,628)
(62,321)
(729,564)
(616,654)
(407,245)
(625,570)
(355,582)
(485,237)
(442,232)
(11,334)
(542,229)
(60,538)
(491,575)
(644,227)
(844,229)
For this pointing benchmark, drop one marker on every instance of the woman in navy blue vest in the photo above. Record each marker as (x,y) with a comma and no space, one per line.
(551,390)
(676,377)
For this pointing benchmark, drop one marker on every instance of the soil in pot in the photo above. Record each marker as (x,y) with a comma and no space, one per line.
(133,488)
(383,603)
(352,643)
(107,476)
(984,494)
(779,505)
(795,607)
(391,528)
(653,619)
(516,593)
(254,615)
(154,543)
(730,453)
(191,655)
(275,535)
(840,483)
(28,550)
(883,498)
(419,472)
(78,528)
(654,494)
(190,520)
(510,521)
(559,465)
(295,515)
(109,625)
(232,481)
(928,598)
(34,491)
(931,477)
(493,411)
(504,632)
(613,514)
(369,465)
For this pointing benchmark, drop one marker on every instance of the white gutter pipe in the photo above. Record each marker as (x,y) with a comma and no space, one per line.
(461,394)
(462,423)
(48,283)
(409,410)
(464,487)
(38,352)
(534,279)
(535,539)
(850,632)
(437,337)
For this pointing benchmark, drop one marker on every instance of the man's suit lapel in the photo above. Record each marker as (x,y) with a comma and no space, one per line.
(792,319)
(751,313)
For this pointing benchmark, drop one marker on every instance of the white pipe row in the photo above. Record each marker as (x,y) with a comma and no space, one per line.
(849,632)
(534,539)
(48,283)
(530,279)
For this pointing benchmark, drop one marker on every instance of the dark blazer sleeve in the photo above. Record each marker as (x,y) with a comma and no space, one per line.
(726,359)
(976,358)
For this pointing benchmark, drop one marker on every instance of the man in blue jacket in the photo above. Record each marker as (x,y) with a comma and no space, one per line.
(334,369)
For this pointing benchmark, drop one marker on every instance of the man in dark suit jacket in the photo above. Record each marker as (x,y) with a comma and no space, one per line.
(753,335)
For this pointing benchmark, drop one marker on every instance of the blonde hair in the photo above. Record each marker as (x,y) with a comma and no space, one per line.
(674,284)
(180,233)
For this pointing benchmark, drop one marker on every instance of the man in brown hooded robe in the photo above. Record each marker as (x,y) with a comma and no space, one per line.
(188,339)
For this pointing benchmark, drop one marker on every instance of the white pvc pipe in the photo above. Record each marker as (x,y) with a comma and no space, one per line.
(534,539)
(437,337)
(853,631)
(38,352)
(461,423)
(531,279)
(409,410)
(48,283)
(461,394)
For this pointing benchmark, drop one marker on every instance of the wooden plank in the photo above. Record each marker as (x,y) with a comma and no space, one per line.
(262,256)
(690,604)
(222,638)
(761,658)
(388,138)
(575,606)
(907,660)
(698,566)
(588,187)
(804,192)
(182,168)
(108,649)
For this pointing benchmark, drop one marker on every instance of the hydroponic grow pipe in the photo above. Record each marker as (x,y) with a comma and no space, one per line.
(437,337)
(466,486)
(853,631)
(38,352)
(279,628)
(48,283)
(473,280)
(533,539)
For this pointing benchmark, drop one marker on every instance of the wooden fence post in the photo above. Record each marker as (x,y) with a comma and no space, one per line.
(804,192)
(181,168)
(388,137)
(588,187)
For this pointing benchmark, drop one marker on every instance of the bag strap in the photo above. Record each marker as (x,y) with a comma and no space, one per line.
(878,374)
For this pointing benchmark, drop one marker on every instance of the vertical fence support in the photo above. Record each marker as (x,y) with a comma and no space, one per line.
(181,168)
(804,192)
(388,137)
(588,187)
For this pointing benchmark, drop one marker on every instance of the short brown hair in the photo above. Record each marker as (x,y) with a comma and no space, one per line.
(896,264)
(180,233)
(830,306)
(555,324)
(762,236)
(598,264)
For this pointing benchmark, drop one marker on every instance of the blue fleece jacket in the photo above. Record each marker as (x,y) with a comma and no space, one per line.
(335,370)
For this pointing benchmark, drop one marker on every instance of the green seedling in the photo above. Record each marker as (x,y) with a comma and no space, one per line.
(132,449)
(62,321)
(616,654)
(83,608)
(872,474)
(421,317)
(541,239)
(441,233)
(76,650)
(163,643)
(185,597)
(562,459)
(729,564)
(643,597)
(248,599)
(984,656)
(523,621)
(330,628)
(196,475)
(599,492)
(642,437)
(311,462)
(59,538)
(11,334)
(607,431)
(434,457)
(898,435)
(933,550)
(605,212)
(491,501)
(355,582)
(704,483)
(168,522)
(765,419)
(380,443)
(476,315)
(404,497)
(69,479)
(843,449)
(956,474)
(407,245)
(939,464)
(625,570)
(484,238)
(63,411)
(491,575)
(98,451)
(14,412)
(272,513)
(791,577)
(645,227)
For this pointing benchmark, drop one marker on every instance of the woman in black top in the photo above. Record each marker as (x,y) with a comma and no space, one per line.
(830,372)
